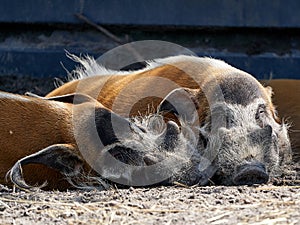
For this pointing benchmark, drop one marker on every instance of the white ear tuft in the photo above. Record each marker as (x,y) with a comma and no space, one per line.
(269,91)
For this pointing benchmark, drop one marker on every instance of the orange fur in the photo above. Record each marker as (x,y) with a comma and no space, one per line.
(135,93)
(108,88)
(24,120)
(287,99)
(31,124)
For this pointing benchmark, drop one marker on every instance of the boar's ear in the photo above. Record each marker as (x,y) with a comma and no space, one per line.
(60,157)
(270,94)
(181,102)
(169,137)
(113,128)
(269,91)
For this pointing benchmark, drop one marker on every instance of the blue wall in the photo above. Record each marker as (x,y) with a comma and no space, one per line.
(228,13)
(232,14)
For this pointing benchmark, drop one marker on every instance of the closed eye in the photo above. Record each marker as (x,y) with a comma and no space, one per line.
(261,114)
(230,122)
(261,110)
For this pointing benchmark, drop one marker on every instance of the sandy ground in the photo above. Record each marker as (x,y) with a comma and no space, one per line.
(266,204)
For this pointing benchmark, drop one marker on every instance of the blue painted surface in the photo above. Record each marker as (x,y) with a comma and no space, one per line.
(35,63)
(265,66)
(194,13)
(218,13)
(48,64)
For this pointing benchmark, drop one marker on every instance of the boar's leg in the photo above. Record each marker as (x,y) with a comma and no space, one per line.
(60,157)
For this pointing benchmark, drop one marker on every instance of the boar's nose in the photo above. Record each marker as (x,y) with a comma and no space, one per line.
(251,173)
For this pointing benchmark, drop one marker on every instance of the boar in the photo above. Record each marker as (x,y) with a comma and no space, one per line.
(221,121)
(39,139)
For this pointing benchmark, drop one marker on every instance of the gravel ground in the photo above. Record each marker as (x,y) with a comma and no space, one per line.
(266,204)
(161,205)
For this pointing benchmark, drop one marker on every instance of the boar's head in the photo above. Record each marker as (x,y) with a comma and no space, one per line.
(239,132)
(251,146)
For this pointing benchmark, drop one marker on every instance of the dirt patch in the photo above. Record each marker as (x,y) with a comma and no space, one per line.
(163,205)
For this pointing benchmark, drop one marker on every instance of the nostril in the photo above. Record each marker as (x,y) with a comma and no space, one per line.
(251,174)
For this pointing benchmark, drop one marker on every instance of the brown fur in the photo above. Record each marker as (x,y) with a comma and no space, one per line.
(24,121)
(287,99)
(107,88)
(122,93)
(31,124)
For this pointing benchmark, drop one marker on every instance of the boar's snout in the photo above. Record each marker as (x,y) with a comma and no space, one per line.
(251,173)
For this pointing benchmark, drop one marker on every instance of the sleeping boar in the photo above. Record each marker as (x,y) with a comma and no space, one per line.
(218,123)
